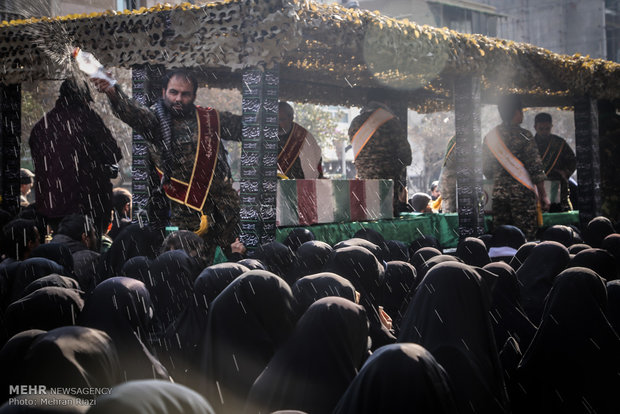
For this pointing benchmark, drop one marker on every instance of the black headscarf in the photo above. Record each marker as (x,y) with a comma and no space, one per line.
(558,233)
(434,261)
(30,270)
(613,304)
(375,238)
(449,316)
(71,356)
(576,248)
(597,229)
(377,251)
(396,250)
(422,255)
(173,274)
(599,260)
(473,251)
(398,288)
(522,253)
(278,258)
(312,370)
(536,275)
(573,360)
(312,257)
(309,289)
(151,397)
(53,281)
(361,268)
(184,335)
(507,315)
(45,308)
(122,307)
(297,237)
(252,264)
(57,252)
(611,243)
(138,267)
(399,378)
(248,322)
(11,358)
(423,241)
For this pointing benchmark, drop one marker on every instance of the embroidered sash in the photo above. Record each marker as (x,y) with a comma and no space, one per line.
(507,159)
(292,148)
(451,146)
(379,117)
(552,154)
(194,193)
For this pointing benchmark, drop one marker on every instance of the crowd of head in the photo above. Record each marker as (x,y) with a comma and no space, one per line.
(367,325)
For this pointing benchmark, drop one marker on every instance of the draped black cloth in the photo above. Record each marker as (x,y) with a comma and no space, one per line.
(522,253)
(396,250)
(247,323)
(57,252)
(599,260)
(171,286)
(184,335)
(398,288)
(422,255)
(473,251)
(375,238)
(279,259)
(11,357)
(578,247)
(122,307)
(558,233)
(309,289)
(573,363)
(363,270)
(311,258)
(71,356)
(434,261)
(297,237)
(611,243)
(151,397)
(45,308)
(449,316)
(507,236)
(312,370)
(507,315)
(52,280)
(30,270)
(377,251)
(252,264)
(597,229)
(138,267)
(536,275)
(613,305)
(399,378)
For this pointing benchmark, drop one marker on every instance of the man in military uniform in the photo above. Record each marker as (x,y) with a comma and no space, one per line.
(299,155)
(380,146)
(447,180)
(187,153)
(557,157)
(511,159)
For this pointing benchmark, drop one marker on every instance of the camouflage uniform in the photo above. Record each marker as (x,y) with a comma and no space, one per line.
(609,148)
(447,184)
(222,204)
(387,154)
(557,155)
(513,203)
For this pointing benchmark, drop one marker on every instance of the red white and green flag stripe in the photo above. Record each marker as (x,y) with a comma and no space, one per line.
(306,202)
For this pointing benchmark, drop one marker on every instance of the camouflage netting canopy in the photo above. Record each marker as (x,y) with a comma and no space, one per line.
(327,54)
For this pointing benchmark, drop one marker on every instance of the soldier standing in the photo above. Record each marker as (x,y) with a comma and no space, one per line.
(511,159)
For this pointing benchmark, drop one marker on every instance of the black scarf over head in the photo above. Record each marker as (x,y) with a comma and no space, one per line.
(57,252)
(399,378)
(312,370)
(522,253)
(613,304)
(278,258)
(138,267)
(297,237)
(422,255)
(30,270)
(309,289)
(599,260)
(52,280)
(597,229)
(449,316)
(312,257)
(558,233)
(398,288)
(473,251)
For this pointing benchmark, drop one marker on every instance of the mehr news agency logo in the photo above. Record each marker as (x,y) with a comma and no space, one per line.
(54,395)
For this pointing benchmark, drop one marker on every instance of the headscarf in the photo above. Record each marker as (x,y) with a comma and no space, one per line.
(138,267)
(399,378)
(151,397)
(278,258)
(30,270)
(52,280)
(558,233)
(122,307)
(11,358)
(173,274)
(507,315)
(599,260)
(505,242)
(423,241)
(578,247)
(536,275)
(297,237)
(252,264)
(57,252)
(361,268)
(397,250)
(597,229)
(71,356)
(449,316)
(434,261)
(377,251)
(312,257)
(573,360)
(422,255)
(247,323)
(613,304)
(375,238)
(312,370)
(45,308)
(309,289)
(611,243)
(519,258)
(473,251)
(398,289)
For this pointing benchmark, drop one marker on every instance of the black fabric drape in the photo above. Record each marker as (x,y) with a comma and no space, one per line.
(398,289)
(473,251)
(309,289)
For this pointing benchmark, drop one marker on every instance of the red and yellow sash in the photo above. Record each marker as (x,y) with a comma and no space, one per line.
(292,148)
(551,155)
(194,193)
(369,127)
